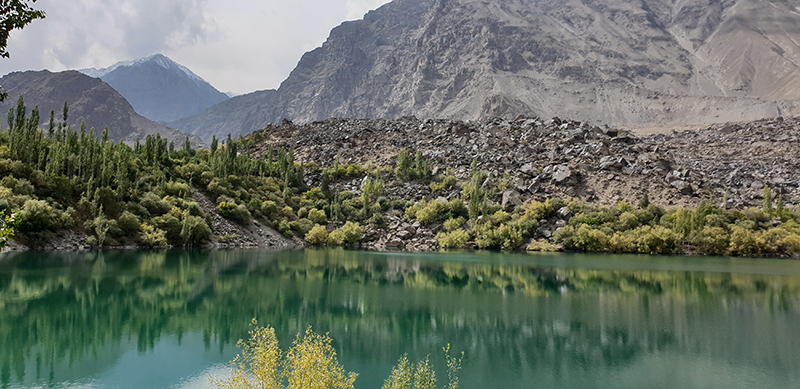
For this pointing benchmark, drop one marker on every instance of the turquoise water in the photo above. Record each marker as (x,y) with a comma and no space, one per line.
(153,319)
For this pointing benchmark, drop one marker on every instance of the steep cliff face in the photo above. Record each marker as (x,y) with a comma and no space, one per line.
(89,99)
(621,62)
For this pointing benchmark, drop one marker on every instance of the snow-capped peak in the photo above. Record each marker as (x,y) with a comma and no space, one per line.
(159,59)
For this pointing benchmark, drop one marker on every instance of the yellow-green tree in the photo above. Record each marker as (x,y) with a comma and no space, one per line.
(311,363)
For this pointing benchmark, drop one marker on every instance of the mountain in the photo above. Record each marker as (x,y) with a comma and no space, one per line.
(89,99)
(250,111)
(635,63)
(158,88)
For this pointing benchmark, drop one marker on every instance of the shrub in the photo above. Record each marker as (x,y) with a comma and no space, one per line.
(177,189)
(431,212)
(584,238)
(194,209)
(336,238)
(310,363)
(129,223)
(255,205)
(171,226)
(318,235)
(302,226)
(269,208)
(377,220)
(456,239)
(352,232)
(713,240)
(154,205)
(195,230)
(627,221)
(454,223)
(317,216)
(237,213)
(744,241)
(152,236)
(542,245)
(656,240)
(447,182)
(421,375)
(38,216)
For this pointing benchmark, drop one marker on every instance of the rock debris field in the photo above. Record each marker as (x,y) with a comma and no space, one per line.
(540,158)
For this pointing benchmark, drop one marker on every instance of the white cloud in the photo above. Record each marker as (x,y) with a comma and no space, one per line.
(237,45)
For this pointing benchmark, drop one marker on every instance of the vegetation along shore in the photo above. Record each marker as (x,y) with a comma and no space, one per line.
(524,184)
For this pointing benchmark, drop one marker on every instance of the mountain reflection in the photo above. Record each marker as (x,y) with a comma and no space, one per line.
(62,311)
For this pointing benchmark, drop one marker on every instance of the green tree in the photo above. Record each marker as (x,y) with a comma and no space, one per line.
(14,14)
(6,228)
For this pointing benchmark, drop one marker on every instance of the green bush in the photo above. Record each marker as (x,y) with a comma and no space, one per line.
(194,209)
(584,238)
(237,213)
(351,231)
(194,231)
(317,236)
(154,205)
(39,216)
(454,223)
(744,241)
(455,239)
(447,182)
(152,236)
(317,216)
(269,208)
(302,226)
(177,189)
(129,223)
(542,245)
(171,226)
(336,238)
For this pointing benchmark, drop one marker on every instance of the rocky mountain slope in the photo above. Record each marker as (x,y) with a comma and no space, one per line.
(89,99)
(636,63)
(158,88)
(539,158)
(232,116)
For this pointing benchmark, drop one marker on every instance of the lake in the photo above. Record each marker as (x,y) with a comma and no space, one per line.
(169,318)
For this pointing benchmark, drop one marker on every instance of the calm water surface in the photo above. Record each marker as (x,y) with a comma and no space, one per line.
(153,319)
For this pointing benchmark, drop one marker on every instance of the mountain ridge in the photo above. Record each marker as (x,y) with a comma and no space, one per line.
(621,62)
(89,99)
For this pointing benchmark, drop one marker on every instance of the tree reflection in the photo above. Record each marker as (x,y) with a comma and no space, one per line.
(68,308)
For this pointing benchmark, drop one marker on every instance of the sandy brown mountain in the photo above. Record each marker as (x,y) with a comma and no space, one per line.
(636,63)
(89,99)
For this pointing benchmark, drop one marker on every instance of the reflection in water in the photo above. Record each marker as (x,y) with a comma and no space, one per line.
(97,319)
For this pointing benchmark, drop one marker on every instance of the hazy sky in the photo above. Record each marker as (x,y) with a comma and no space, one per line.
(237,45)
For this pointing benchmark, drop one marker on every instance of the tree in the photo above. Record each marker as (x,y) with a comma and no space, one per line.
(14,14)
(6,228)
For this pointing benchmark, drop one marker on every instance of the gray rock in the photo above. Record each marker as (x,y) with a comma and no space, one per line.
(404,234)
(682,186)
(561,173)
(511,200)
(395,243)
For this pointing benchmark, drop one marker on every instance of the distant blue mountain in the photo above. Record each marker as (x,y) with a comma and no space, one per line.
(158,88)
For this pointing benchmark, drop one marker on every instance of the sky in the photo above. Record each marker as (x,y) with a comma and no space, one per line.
(238,46)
